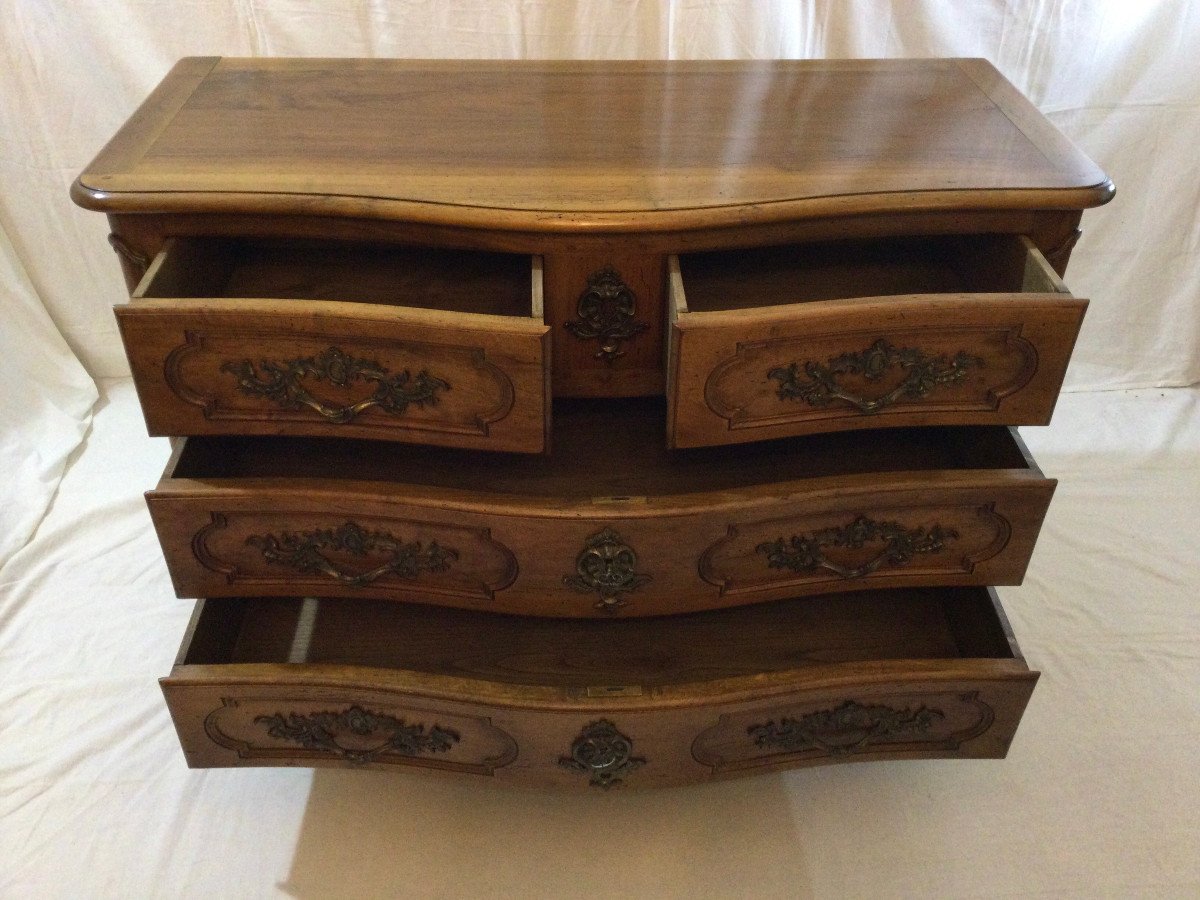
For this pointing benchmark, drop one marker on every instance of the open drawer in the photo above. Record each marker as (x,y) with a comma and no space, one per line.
(594,704)
(263,336)
(942,330)
(612,523)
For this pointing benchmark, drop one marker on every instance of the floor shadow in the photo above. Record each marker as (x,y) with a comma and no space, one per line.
(367,834)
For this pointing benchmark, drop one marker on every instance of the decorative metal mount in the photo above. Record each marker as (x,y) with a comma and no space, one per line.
(845,729)
(605,566)
(303,552)
(281,384)
(606,313)
(924,374)
(137,260)
(1058,256)
(321,730)
(603,754)
(805,552)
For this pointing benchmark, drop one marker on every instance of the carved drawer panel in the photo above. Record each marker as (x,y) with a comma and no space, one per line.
(872,721)
(274,724)
(283,337)
(866,334)
(598,704)
(237,516)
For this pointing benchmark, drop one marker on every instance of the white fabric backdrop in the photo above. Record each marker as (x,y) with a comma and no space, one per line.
(1122,77)
(1098,798)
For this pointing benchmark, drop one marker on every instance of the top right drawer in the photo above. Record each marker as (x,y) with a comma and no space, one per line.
(938,330)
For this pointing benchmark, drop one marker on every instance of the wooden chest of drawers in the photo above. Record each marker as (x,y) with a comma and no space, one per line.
(634,423)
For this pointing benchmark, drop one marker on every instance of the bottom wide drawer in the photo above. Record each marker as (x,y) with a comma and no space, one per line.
(899,674)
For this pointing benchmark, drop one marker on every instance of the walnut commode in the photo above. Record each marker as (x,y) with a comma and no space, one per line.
(595,424)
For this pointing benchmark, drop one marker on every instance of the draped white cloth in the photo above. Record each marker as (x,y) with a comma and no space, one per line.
(93,801)
(1121,78)
(1098,797)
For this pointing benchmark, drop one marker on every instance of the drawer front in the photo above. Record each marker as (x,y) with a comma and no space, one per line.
(896,721)
(630,739)
(599,559)
(756,374)
(268,367)
(313,725)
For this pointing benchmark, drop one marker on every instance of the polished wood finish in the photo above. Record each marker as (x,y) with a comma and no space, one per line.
(940,666)
(585,146)
(697,522)
(733,270)
(865,334)
(580,369)
(262,337)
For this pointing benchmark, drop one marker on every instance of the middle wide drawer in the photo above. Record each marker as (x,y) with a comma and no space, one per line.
(612,523)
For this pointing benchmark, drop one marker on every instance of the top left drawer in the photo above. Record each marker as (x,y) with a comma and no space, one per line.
(262,337)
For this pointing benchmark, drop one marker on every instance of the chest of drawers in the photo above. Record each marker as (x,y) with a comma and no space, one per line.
(594,424)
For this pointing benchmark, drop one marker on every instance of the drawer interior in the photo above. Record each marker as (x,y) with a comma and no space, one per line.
(834,270)
(297,269)
(606,449)
(940,624)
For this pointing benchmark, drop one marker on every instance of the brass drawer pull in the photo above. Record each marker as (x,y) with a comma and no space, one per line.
(605,566)
(281,384)
(806,552)
(844,729)
(137,260)
(603,754)
(303,552)
(606,311)
(321,731)
(924,373)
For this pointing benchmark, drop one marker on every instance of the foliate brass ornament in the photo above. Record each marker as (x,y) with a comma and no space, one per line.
(303,552)
(844,729)
(1058,256)
(603,754)
(924,374)
(281,384)
(336,732)
(806,552)
(136,259)
(606,313)
(605,566)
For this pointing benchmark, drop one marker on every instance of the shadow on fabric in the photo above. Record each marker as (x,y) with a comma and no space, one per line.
(370,835)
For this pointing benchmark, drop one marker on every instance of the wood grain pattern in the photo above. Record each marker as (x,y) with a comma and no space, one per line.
(335,250)
(218,347)
(687,707)
(794,733)
(146,232)
(577,370)
(805,339)
(579,146)
(243,724)
(695,523)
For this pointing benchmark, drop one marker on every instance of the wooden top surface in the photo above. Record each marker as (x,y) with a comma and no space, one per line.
(587,146)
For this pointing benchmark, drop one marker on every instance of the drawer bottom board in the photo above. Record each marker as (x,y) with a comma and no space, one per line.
(899,674)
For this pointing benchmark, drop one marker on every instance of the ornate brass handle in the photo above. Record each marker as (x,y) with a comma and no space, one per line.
(302,552)
(281,384)
(806,552)
(138,261)
(603,754)
(606,311)
(605,566)
(924,373)
(844,729)
(321,731)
